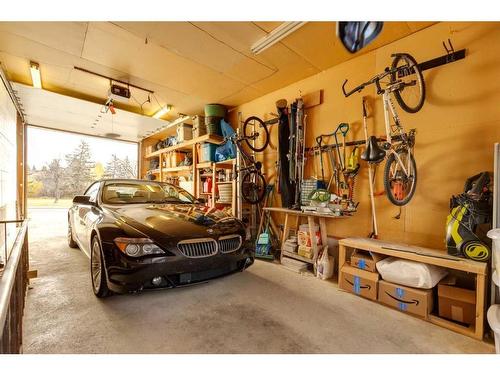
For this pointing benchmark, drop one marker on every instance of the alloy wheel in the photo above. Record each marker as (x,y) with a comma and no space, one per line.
(96,266)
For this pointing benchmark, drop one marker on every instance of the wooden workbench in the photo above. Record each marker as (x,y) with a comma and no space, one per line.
(428,256)
(311,216)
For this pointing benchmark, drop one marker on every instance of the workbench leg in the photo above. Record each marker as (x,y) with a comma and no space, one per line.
(324,234)
(312,234)
(285,236)
(480,297)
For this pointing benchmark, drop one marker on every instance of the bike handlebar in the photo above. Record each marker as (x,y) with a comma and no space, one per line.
(375,80)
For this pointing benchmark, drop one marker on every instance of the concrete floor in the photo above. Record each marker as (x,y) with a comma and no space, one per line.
(266,309)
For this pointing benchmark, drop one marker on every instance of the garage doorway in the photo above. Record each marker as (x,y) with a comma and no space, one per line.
(61,165)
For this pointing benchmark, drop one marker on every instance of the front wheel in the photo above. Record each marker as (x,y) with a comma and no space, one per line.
(253,187)
(97,270)
(253,128)
(400,186)
(411,96)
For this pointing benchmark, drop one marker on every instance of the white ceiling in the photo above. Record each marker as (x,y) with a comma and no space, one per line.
(56,111)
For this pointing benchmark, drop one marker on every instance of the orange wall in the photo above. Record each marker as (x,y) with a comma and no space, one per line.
(456,128)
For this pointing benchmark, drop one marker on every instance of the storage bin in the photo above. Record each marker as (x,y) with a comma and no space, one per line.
(199,127)
(207,152)
(217,110)
(212,124)
(184,133)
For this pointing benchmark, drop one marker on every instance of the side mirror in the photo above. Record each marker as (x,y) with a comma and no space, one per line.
(82,199)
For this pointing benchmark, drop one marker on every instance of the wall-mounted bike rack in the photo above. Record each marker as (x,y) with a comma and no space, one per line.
(451,56)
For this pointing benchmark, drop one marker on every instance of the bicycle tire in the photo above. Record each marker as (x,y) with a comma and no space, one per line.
(418,72)
(388,186)
(253,190)
(247,132)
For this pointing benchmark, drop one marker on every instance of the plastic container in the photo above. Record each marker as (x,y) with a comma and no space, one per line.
(494,322)
(207,152)
(217,110)
(494,234)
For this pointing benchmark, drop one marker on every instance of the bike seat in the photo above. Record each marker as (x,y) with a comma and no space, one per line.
(373,153)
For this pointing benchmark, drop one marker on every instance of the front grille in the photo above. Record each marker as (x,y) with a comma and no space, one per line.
(230,243)
(198,248)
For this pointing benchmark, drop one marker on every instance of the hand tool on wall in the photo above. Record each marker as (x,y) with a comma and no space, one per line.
(374,233)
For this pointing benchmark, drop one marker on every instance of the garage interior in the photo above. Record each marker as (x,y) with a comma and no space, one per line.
(343,264)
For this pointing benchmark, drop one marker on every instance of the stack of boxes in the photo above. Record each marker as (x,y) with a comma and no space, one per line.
(304,240)
(361,278)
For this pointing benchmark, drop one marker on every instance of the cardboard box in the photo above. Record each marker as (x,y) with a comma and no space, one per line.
(360,282)
(305,251)
(365,260)
(456,302)
(409,300)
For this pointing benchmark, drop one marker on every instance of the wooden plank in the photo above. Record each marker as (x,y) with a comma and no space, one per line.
(468,331)
(288,254)
(312,234)
(418,254)
(32,274)
(285,235)
(209,138)
(300,213)
(206,164)
(313,99)
(177,169)
(323,231)
(480,305)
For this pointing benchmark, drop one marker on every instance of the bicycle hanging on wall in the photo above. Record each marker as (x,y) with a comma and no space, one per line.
(406,84)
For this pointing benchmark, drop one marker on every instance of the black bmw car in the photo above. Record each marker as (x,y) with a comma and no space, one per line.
(147,234)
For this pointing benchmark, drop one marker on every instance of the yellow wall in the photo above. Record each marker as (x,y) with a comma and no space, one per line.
(456,128)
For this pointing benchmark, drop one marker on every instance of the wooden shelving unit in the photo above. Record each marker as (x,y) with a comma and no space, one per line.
(197,169)
(434,257)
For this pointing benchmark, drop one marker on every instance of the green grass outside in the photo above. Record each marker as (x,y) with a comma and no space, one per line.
(49,202)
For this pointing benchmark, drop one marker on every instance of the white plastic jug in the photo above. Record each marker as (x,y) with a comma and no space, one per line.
(494,322)
(494,234)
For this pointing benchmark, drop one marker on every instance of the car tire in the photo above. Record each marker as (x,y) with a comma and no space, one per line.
(98,270)
(71,241)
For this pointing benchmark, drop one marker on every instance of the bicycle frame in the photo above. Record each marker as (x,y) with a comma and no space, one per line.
(390,109)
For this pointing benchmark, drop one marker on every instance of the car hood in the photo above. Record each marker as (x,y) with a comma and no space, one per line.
(167,223)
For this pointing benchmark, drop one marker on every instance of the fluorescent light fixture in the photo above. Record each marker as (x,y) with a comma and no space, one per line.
(162,111)
(282,31)
(36,78)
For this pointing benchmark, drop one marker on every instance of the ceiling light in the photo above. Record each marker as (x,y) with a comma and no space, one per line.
(162,111)
(282,31)
(35,75)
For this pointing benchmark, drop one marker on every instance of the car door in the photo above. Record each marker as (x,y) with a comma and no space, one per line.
(81,216)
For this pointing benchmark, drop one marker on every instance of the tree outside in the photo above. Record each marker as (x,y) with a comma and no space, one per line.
(62,179)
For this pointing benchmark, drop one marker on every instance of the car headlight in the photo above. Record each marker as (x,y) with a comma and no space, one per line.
(137,247)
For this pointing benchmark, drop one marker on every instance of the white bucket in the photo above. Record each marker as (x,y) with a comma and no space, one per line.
(494,234)
(494,322)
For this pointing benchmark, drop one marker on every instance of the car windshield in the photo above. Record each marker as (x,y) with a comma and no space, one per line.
(128,192)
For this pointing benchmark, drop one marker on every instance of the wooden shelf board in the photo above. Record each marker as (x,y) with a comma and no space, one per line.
(178,169)
(210,138)
(223,202)
(154,171)
(288,254)
(225,164)
(205,164)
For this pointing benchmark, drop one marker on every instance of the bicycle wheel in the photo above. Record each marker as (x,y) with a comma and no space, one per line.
(253,187)
(400,187)
(411,97)
(251,128)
